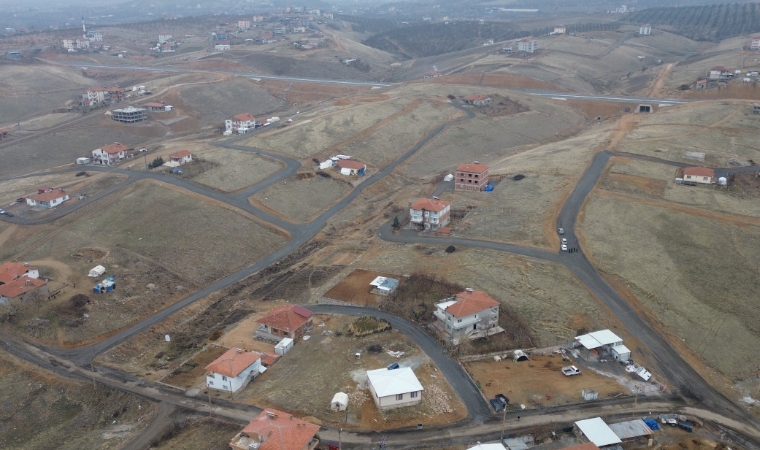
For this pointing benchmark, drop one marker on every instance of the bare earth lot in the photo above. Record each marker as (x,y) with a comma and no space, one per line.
(355,288)
(303,198)
(222,100)
(695,274)
(234,169)
(333,367)
(201,433)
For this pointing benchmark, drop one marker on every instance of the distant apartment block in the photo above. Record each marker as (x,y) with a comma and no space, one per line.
(244,24)
(258,18)
(645,30)
(755,45)
(164,37)
(129,114)
(527,45)
(75,43)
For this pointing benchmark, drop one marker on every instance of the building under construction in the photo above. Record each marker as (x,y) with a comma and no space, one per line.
(129,114)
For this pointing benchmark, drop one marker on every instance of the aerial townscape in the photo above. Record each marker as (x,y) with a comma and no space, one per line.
(366,224)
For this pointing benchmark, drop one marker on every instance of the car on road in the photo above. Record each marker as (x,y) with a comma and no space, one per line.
(561,231)
(496,404)
(564,247)
(564,241)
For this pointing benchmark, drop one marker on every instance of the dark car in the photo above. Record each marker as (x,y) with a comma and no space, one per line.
(496,404)
(503,399)
(9,214)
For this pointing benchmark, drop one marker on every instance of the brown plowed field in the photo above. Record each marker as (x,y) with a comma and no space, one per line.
(355,288)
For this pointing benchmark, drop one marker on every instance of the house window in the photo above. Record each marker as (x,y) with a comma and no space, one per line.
(704,178)
(476,316)
(399,396)
(414,394)
(459,320)
(224,378)
(210,383)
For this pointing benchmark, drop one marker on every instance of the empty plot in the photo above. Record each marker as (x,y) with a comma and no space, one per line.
(234,169)
(221,100)
(695,274)
(302,199)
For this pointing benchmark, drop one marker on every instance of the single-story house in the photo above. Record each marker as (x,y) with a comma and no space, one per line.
(394,388)
(466,313)
(154,106)
(478,100)
(110,154)
(276,430)
(10,271)
(48,199)
(698,175)
(596,431)
(433,74)
(290,321)
(599,340)
(383,285)
(233,370)
(720,73)
(350,167)
(701,84)
(267,359)
(20,288)
(182,156)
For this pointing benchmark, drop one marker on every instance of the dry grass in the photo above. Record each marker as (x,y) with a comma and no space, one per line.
(303,198)
(696,274)
(199,434)
(12,189)
(234,169)
(221,100)
(193,372)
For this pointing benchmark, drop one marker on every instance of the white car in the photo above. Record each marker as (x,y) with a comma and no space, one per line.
(564,241)
(564,247)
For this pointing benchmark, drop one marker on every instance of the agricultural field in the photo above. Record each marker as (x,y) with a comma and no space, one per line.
(221,100)
(306,138)
(88,416)
(342,371)
(302,198)
(696,274)
(198,433)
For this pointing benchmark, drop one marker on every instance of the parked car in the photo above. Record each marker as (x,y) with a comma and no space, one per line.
(569,371)
(564,247)
(9,214)
(503,398)
(561,231)
(564,241)
(496,404)
(393,366)
(2,212)
(686,425)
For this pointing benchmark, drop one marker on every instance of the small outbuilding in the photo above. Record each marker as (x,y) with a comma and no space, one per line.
(383,285)
(620,353)
(283,346)
(97,271)
(339,402)
(596,431)
(632,430)
(519,355)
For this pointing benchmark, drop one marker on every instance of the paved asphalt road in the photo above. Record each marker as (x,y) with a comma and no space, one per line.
(477,408)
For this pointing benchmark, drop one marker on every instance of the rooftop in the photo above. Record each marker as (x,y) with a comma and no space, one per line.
(20,286)
(114,148)
(699,171)
(598,432)
(288,318)
(429,204)
(385,283)
(392,382)
(631,429)
(280,431)
(598,339)
(180,154)
(49,195)
(474,168)
(154,105)
(245,117)
(10,270)
(350,164)
(129,109)
(233,362)
(468,302)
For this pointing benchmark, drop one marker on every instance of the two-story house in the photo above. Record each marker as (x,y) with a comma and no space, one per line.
(465,313)
(430,214)
(240,123)
(471,177)
(164,37)
(276,430)
(291,321)
(110,154)
(233,370)
(720,73)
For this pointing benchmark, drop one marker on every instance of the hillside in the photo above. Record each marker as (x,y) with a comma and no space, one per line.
(703,23)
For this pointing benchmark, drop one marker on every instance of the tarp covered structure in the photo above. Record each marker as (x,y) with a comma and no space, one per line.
(97,271)
(339,402)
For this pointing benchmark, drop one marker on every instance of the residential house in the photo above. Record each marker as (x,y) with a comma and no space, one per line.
(720,73)
(467,312)
(560,30)
(328,15)
(166,47)
(266,35)
(233,370)
(244,24)
(291,321)
(478,100)
(115,94)
(349,167)
(700,84)
(698,175)
(471,177)
(220,46)
(258,18)
(240,123)
(181,157)
(280,30)
(755,44)
(164,37)
(75,43)
(276,430)
(17,280)
(11,270)
(433,74)
(394,388)
(300,29)
(527,45)
(94,96)
(110,154)
(430,214)
(383,285)
(645,30)
(130,114)
(154,106)
(50,198)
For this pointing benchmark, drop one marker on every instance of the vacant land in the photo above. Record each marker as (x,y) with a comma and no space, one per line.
(308,137)
(40,408)
(334,367)
(200,433)
(221,100)
(696,274)
(193,371)
(22,187)
(231,170)
(355,288)
(302,198)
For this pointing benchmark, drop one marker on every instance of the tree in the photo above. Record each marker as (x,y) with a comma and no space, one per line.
(395,225)
(156,162)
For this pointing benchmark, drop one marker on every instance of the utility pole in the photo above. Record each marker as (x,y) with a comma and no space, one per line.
(340,441)
(503,422)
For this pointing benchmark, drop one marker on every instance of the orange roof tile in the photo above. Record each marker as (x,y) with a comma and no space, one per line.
(430,204)
(475,98)
(473,168)
(180,154)
(20,286)
(470,303)
(699,171)
(49,195)
(114,148)
(287,318)
(10,270)
(244,117)
(281,431)
(269,358)
(350,164)
(233,362)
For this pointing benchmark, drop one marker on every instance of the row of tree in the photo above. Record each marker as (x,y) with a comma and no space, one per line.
(580,28)
(705,22)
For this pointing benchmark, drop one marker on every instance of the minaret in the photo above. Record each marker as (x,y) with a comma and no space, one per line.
(84,29)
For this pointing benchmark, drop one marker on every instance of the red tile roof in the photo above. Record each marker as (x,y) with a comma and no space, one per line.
(281,431)
(470,303)
(49,195)
(269,358)
(233,362)
(114,148)
(473,168)
(244,117)
(287,318)
(699,171)
(10,270)
(430,204)
(97,89)
(475,98)
(20,286)
(180,154)
(350,164)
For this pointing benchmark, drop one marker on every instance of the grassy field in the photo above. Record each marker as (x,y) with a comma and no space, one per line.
(305,138)
(222,100)
(200,433)
(46,407)
(333,367)
(695,274)
(303,198)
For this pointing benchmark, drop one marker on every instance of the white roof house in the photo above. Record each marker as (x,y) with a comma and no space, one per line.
(598,339)
(396,387)
(597,431)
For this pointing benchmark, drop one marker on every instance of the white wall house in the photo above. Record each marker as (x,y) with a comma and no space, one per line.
(240,122)
(233,370)
(164,37)
(181,157)
(755,44)
(394,388)
(698,175)
(645,30)
(48,199)
(109,154)
(466,313)
(527,45)
(430,214)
